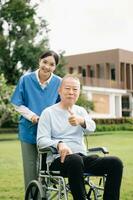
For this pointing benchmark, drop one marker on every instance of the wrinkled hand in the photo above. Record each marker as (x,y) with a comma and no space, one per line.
(63,150)
(75,120)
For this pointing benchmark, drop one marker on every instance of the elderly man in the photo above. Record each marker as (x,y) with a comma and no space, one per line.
(62,126)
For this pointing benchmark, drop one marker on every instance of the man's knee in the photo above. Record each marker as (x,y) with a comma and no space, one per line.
(75,162)
(118,162)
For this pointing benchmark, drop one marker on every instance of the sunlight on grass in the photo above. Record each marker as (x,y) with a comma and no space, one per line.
(11,178)
(119,144)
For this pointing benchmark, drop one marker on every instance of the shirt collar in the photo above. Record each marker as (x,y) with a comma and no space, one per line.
(46,82)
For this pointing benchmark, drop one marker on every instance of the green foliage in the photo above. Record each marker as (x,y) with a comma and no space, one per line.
(6,109)
(114,127)
(23,37)
(60,69)
(129,120)
(122,120)
(114,124)
(83,101)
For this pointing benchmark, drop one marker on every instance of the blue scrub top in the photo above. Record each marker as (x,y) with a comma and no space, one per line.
(30,94)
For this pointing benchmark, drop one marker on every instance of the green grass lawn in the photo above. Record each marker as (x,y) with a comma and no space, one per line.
(11,175)
(119,144)
(11,178)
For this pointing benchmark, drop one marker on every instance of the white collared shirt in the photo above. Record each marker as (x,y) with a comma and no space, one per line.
(43,85)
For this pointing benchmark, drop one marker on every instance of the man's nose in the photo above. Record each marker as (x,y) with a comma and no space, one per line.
(71,91)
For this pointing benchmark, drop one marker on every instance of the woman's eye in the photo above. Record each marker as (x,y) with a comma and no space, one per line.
(45,62)
(52,64)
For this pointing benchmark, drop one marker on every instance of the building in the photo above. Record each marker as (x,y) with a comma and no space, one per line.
(107,79)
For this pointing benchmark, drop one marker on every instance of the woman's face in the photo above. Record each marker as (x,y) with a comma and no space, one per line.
(47,65)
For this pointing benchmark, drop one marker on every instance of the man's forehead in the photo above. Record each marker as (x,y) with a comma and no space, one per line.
(71,79)
(71,82)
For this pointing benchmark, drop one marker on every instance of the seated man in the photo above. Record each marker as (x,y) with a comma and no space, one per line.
(62,126)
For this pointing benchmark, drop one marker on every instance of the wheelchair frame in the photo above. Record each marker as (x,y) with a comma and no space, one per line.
(51,185)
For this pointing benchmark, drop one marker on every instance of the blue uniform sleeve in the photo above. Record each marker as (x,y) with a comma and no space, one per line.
(18,95)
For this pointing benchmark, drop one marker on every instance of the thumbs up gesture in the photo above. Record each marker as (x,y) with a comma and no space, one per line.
(75,120)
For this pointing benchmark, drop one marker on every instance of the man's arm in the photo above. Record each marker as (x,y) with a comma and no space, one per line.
(83,120)
(44,131)
(44,136)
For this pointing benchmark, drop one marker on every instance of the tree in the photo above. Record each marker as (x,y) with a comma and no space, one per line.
(60,69)
(6,109)
(84,102)
(22,38)
(83,99)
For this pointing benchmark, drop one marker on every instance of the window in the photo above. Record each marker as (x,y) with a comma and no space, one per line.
(113,72)
(91,71)
(83,72)
(125,106)
(71,70)
(79,69)
(125,102)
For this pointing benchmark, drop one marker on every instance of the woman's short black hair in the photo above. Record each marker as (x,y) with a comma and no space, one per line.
(51,53)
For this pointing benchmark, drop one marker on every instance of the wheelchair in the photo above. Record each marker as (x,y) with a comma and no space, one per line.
(51,185)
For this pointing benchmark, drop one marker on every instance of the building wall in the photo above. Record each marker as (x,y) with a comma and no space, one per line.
(107,102)
(101,102)
(106,70)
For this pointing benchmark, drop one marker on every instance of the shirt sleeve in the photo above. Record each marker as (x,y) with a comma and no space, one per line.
(90,124)
(24,111)
(18,97)
(44,131)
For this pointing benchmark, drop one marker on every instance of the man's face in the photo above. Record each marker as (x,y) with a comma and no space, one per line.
(69,91)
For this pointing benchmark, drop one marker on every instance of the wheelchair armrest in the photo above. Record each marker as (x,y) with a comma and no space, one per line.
(48,149)
(99,149)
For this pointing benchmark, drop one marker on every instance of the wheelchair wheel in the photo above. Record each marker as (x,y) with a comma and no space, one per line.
(34,191)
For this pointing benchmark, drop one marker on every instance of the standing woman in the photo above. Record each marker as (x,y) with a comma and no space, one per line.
(35,91)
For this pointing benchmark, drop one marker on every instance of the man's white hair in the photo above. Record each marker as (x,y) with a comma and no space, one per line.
(73,76)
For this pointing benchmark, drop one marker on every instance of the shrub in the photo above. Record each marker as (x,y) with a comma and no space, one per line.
(6,109)
(114,127)
(122,120)
(83,101)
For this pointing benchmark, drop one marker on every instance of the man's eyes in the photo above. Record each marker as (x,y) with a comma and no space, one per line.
(68,88)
